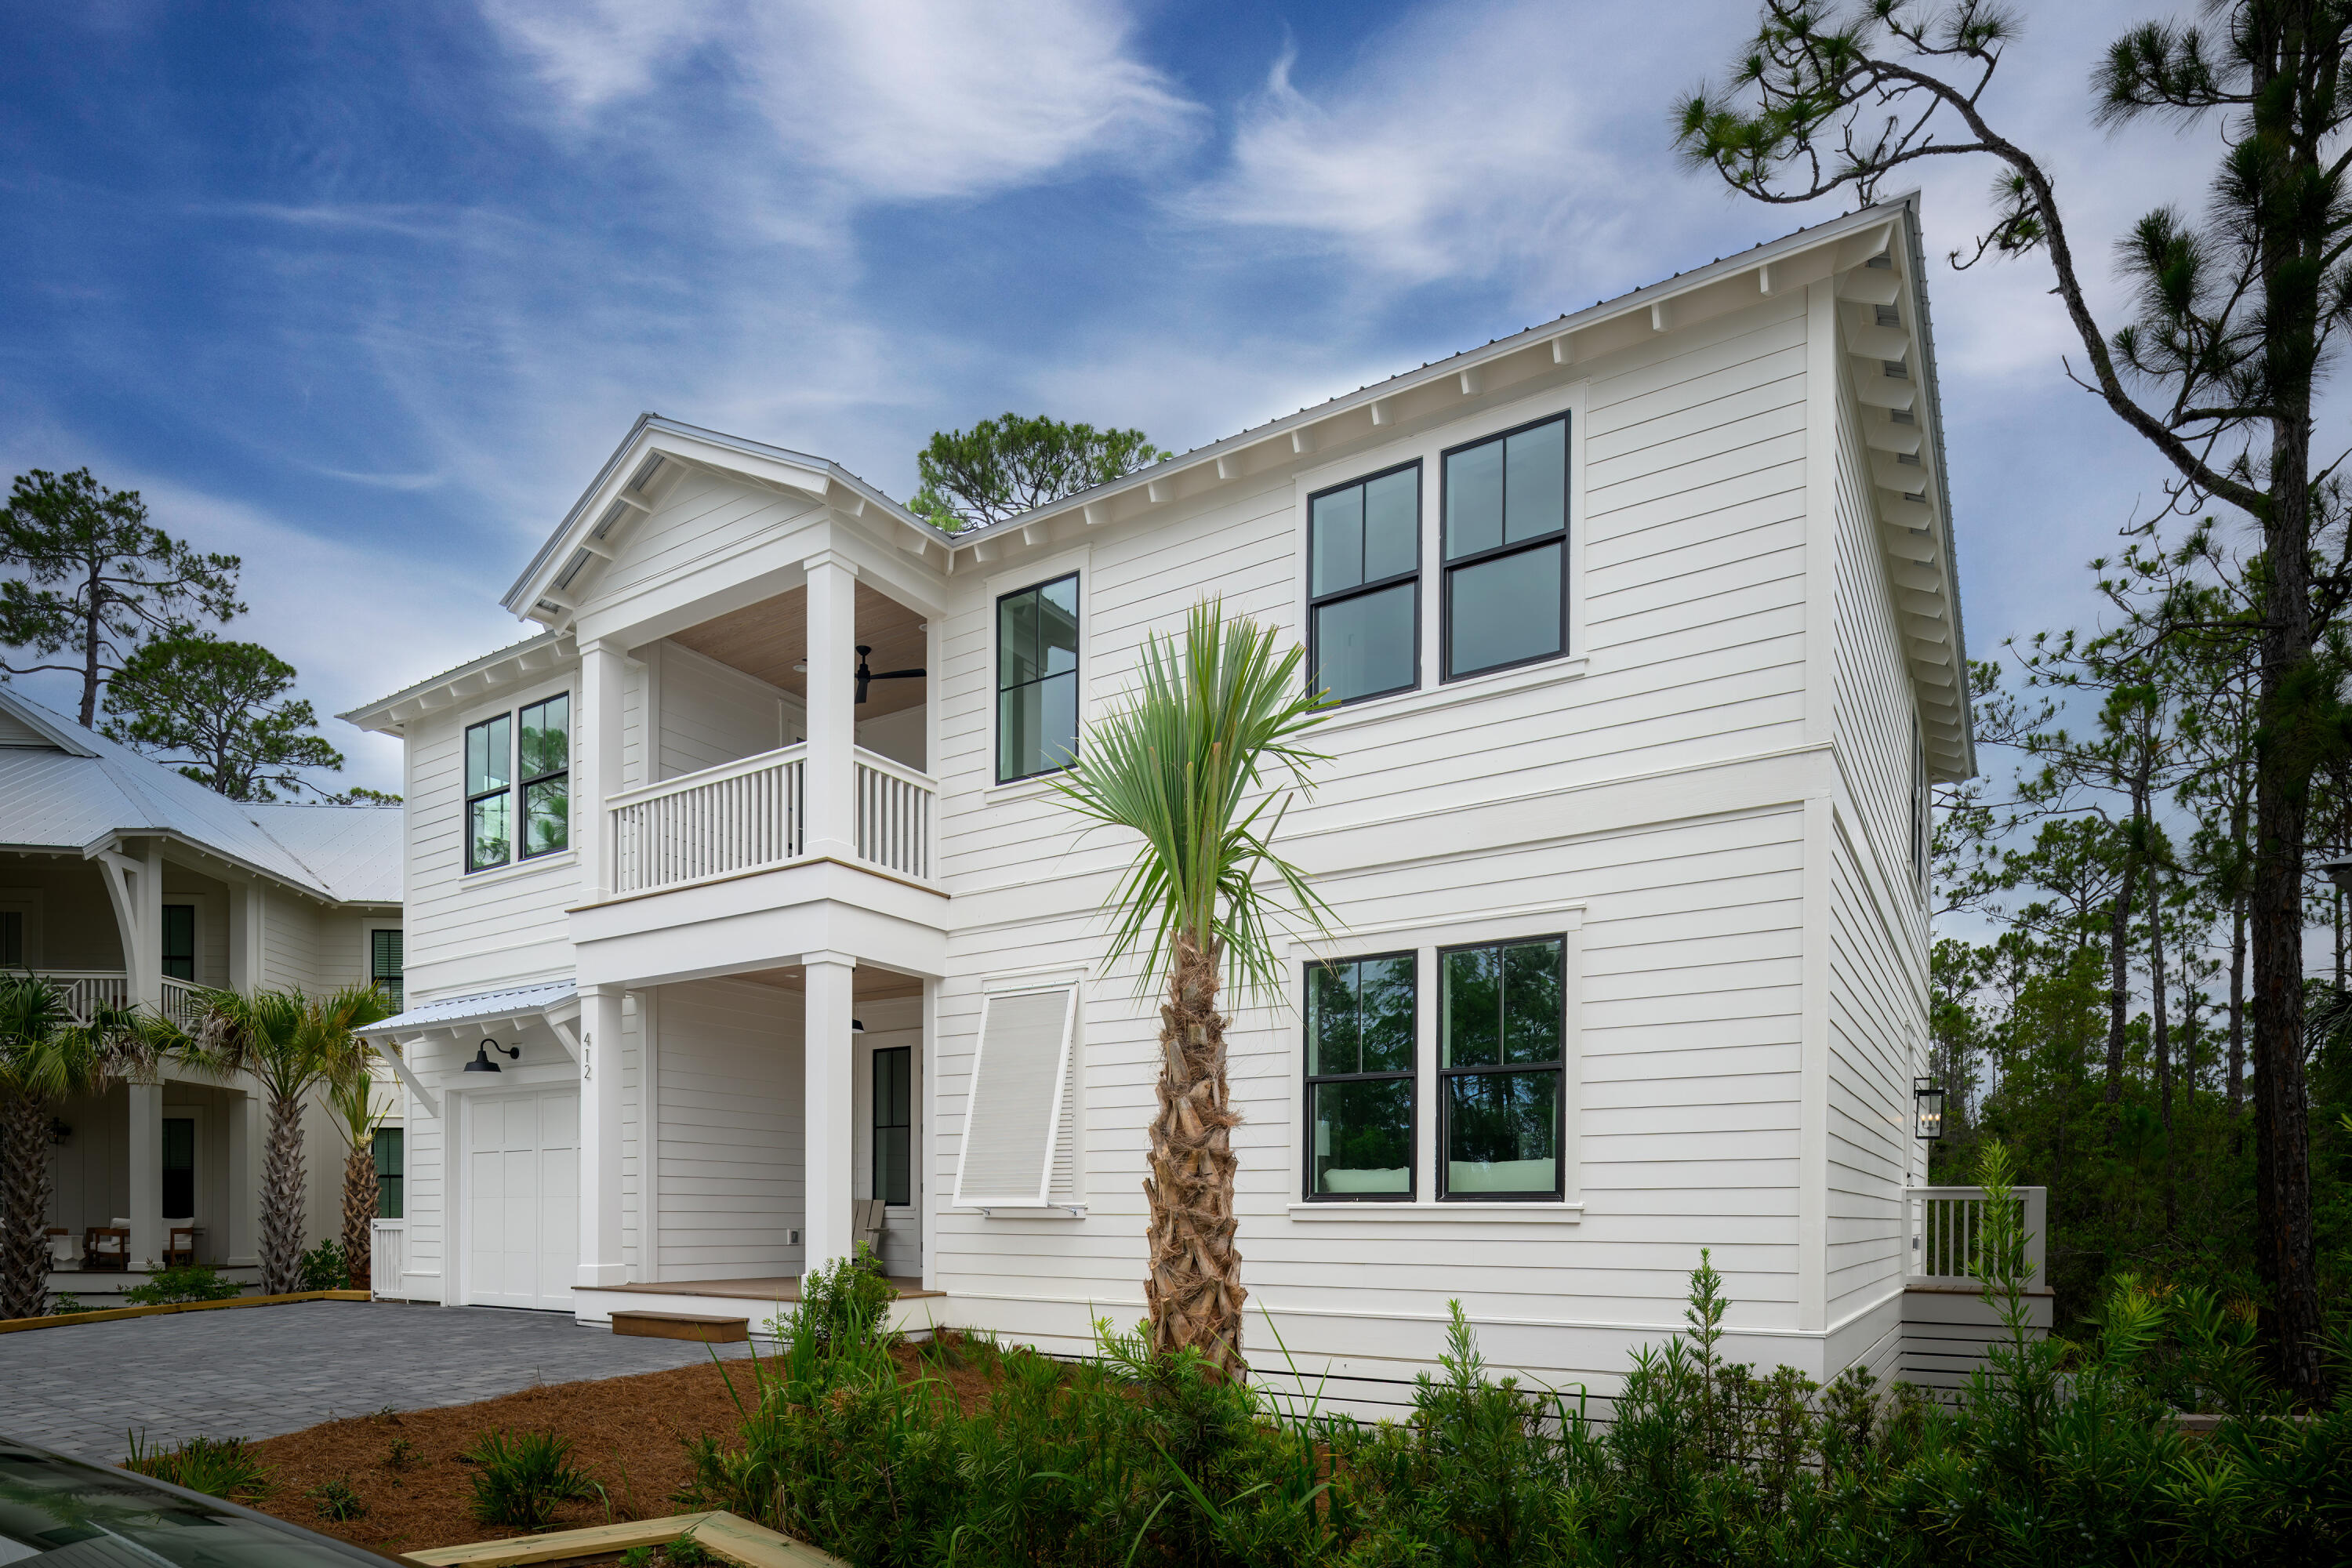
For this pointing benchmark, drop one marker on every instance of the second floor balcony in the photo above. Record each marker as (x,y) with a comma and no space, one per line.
(753,814)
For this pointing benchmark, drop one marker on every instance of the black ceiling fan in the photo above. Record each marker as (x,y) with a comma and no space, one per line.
(868,677)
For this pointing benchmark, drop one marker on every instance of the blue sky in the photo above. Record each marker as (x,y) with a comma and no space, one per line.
(365,293)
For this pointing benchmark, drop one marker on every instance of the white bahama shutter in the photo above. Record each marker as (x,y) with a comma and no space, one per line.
(1014,1119)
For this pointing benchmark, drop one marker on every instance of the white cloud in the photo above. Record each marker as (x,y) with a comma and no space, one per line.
(896,99)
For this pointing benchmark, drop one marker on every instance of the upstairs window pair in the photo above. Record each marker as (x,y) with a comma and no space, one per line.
(1504,557)
(528,780)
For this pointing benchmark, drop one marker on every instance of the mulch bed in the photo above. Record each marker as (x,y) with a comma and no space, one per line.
(629,1433)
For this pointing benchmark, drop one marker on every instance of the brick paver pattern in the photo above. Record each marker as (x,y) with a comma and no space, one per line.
(259,1371)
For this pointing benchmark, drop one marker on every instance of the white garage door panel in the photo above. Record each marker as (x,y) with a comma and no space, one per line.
(522,1205)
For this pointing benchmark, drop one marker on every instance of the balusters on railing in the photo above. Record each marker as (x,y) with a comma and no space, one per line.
(738,816)
(894,820)
(1946,1230)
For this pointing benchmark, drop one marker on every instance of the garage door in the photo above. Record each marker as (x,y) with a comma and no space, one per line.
(522,1198)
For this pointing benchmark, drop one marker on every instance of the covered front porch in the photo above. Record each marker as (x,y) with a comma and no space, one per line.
(145,1165)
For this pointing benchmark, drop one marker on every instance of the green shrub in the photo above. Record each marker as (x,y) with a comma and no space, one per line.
(521,1477)
(324,1267)
(217,1466)
(637,1557)
(686,1552)
(64,1306)
(400,1456)
(194,1282)
(846,1304)
(335,1500)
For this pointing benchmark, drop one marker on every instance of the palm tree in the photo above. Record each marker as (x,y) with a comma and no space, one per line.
(351,1095)
(46,1058)
(290,1044)
(1188,760)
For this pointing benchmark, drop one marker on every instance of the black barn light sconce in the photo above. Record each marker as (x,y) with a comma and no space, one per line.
(482,1063)
(1928,1098)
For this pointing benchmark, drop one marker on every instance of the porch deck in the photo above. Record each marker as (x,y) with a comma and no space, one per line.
(781,1288)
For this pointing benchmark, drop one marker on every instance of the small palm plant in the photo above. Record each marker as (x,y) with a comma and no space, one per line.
(352,1097)
(46,1057)
(1193,760)
(290,1044)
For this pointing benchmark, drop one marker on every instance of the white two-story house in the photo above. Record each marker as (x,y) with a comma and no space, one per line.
(746,875)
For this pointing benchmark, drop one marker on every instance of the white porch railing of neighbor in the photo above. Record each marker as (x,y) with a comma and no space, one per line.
(386,1239)
(183,1001)
(87,990)
(737,817)
(1946,1225)
(894,815)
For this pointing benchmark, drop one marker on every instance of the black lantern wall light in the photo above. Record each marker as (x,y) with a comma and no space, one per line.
(482,1063)
(1927,1100)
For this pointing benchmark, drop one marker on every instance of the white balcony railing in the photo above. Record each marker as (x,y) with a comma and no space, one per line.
(87,990)
(183,1001)
(894,815)
(737,817)
(1946,1227)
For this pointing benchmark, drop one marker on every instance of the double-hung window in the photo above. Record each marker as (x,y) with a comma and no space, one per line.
(1505,549)
(390,1173)
(1502,1018)
(1037,679)
(894,1125)
(1363,587)
(179,952)
(384,967)
(530,784)
(1359,1077)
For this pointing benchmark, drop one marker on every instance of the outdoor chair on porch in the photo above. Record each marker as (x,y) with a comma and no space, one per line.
(64,1255)
(106,1247)
(867,1220)
(180,1242)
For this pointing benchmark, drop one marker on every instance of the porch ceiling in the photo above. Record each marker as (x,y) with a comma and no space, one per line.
(865,984)
(767,639)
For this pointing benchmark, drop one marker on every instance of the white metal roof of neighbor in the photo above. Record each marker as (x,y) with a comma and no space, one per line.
(63,787)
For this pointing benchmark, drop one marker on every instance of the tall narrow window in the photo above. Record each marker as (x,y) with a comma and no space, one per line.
(1359,1101)
(546,768)
(12,939)
(179,1167)
(180,941)
(1037,679)
(384,966)
(391,1180)
(489,793)
(894,1125)
(1503,1009)
(1363,585)
(1507,549)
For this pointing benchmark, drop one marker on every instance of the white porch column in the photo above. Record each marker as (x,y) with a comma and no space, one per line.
(827,1062)
(832,707)
(145,1204)
(604,677)
(600,1138)
(244,907)
(238,1248)
(147,982)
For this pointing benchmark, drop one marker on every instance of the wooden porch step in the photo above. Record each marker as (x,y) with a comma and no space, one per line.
(695,1326)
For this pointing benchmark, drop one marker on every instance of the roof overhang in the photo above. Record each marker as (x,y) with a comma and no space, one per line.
(507,666)
(650,458)
(195,849)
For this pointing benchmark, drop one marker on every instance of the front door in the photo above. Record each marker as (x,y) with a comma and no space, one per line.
(522,1198)
(180,1168)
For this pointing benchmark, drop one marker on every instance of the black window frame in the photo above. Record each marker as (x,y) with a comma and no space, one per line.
(522,785)
(393,982)
(1448,567)
(165,956)
(395,1139)
(905,1064)
(1076,674)
(1316,602)
(1558,1068)
(516,788)
(178,1137)
(1310,1079)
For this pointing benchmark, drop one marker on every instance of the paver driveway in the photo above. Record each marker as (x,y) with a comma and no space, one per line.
(262,1371)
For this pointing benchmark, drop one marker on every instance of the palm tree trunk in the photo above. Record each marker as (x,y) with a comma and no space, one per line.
(1194,1292)
(359,1211)
(281,1199)
(24,1208)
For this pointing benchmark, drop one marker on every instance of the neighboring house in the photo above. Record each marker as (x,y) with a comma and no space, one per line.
(128,883)
(1647,632)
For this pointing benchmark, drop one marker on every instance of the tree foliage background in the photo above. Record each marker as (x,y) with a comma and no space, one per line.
(1002,468)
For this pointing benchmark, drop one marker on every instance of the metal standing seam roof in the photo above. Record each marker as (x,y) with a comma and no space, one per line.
(479,1007)
(87,788)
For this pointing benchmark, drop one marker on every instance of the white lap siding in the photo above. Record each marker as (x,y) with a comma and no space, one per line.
(727,1057)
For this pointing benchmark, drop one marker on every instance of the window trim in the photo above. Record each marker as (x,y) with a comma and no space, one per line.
(1340,595)
(875,1126)
(195,953)
(375,933)
(997,688)
(513,788)
(1557,1192)
(375,1159)
(522,785)
(1566,420)
(1308,1080)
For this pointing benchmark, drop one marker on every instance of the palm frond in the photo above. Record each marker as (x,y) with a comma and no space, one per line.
(1200,757)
